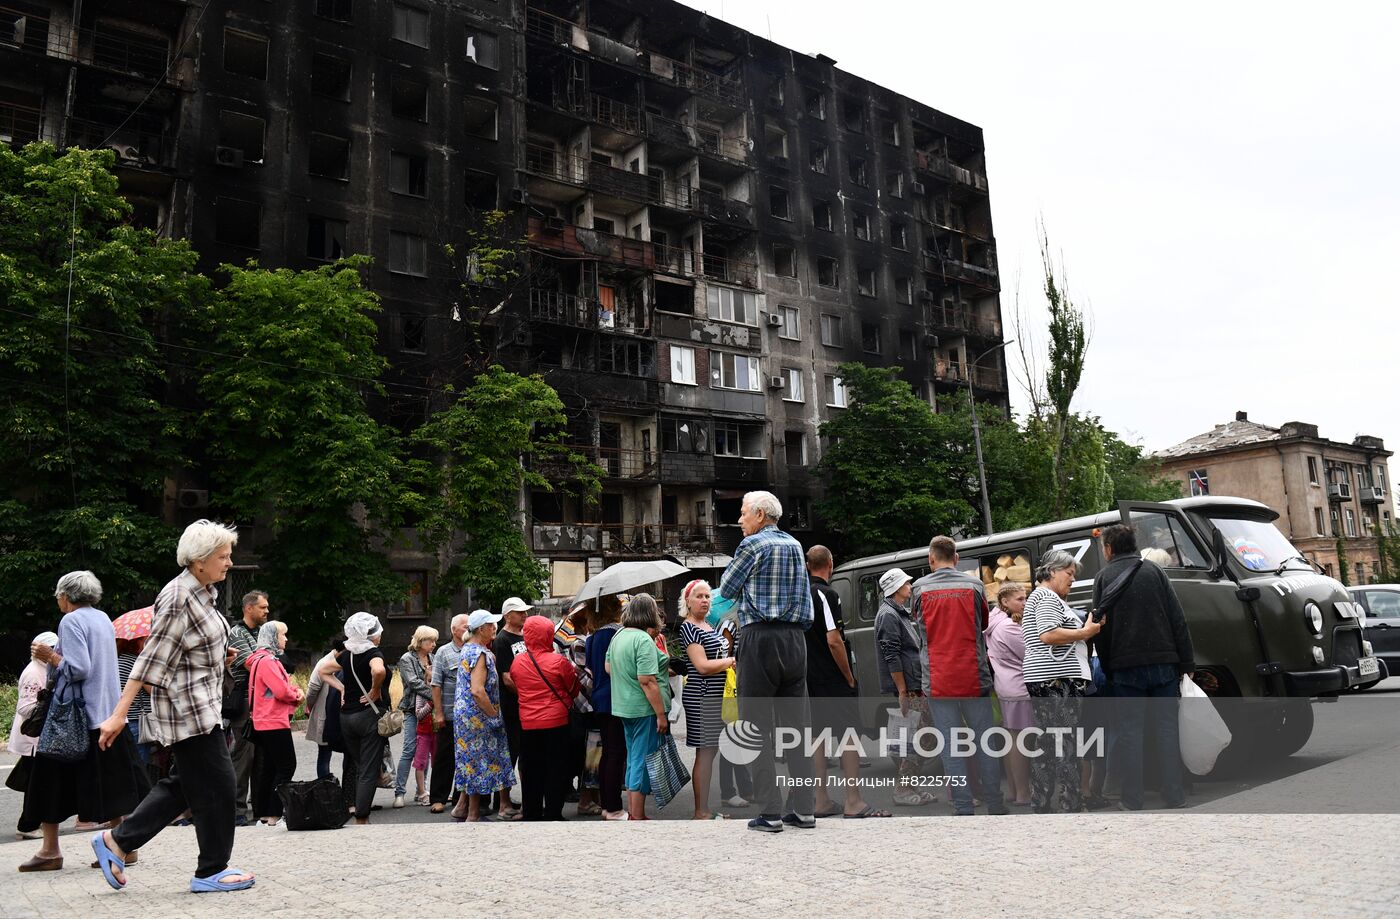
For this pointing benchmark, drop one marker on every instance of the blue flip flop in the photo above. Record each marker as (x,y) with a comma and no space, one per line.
(106,858)
(213,882)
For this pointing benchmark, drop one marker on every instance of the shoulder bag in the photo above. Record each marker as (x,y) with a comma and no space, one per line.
(391,721)
(33,723)
(65,734)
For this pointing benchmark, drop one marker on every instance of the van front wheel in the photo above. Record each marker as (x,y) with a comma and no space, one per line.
(1292,729)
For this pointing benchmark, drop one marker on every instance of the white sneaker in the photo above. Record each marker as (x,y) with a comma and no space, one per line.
(737,801)
(398,801)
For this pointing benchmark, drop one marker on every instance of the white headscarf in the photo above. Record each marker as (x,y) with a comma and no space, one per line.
(358,629)
(46,638)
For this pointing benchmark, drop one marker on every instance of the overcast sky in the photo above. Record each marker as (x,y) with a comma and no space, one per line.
(1223,180)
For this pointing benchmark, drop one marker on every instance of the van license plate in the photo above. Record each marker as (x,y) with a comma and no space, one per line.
(1368,666)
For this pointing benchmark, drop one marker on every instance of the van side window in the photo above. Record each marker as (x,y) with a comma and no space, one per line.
(869,597)
(1013,566)
(1084,548)
(1162,539)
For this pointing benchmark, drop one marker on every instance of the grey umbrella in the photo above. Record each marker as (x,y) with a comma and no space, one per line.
(626,575)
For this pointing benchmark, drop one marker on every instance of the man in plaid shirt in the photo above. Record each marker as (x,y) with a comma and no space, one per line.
(768,581)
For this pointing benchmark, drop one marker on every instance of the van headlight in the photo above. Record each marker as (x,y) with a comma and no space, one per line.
(1313,613)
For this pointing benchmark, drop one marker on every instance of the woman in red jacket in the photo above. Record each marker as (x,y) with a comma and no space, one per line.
(546,683)
(272,698)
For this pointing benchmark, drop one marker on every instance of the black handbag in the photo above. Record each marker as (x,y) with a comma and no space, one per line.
(313,805)
(33,723)
(65,735)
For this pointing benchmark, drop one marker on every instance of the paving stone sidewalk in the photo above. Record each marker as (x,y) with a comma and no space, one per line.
(1105,866)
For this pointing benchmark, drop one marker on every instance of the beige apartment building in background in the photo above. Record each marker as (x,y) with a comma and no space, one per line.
(1322,489)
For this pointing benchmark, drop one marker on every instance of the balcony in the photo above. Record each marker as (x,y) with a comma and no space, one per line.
(958,271)
(942,167)
(715,206)
(1371,494)
(730,270)
(740,470)
(990,378)
(617,464)
(555,30)
(19,124)
(557,236)
(549,163)
(723,87)
(133,146)
(107,46)
(673,133)
(945,371)
(1338,492)
(621,539)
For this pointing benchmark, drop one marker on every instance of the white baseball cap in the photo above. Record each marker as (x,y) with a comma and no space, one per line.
(892,580)
(480,617)
(514,605)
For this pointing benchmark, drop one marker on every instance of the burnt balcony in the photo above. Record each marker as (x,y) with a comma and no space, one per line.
(716,207)
(959,271)
(549,163)
(694,539)
(991,378)
(133,146)
(741,470)
(941,167)
(962,318)
(730,270)
(673,133)
(19,124)
(556,30)
(109,47)
(618,464)
(602,110)
(946,371)
(723,87)
(553,234)
(581,312)
(617,539)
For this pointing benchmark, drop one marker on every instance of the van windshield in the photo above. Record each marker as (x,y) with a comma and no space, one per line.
(1258,546)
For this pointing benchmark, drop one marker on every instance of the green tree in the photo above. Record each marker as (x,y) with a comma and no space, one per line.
(896,473)
(1136,476)
(503,435)
(1069,342)
(1343,564)
(90,434)
(1382,553)
(291,439)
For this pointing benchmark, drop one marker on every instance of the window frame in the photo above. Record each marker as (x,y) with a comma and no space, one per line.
(688,352)
(790,331)
(793,393)
(427,24)
(834,387)
(409,239)
(718,372)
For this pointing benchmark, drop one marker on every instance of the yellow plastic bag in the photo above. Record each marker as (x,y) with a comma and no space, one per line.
(729,707)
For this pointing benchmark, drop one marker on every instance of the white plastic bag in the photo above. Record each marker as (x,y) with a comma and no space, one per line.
(1203,731)
(900,730)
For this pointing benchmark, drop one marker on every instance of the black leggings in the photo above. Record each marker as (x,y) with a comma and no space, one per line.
(277,763)
(544,772)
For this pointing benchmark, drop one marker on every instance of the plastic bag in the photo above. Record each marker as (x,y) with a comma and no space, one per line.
(729,705)
(900,730)
(1203,731)
(667,773)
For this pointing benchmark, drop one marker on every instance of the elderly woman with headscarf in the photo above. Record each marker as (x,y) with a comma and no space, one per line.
(482,755)
(365,697)
(271,699)
(1056,670)
(183,666)
(102,785)
(34,678)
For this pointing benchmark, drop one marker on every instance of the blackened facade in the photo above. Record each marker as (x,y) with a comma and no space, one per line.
(715,222)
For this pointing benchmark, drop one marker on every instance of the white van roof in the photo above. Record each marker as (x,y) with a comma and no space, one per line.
(920,553)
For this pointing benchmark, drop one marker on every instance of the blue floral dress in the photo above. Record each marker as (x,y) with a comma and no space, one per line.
(482,752)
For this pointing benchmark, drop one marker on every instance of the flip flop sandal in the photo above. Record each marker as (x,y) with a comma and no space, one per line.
(130,860)
(215,882)
(868,812)
(106,858)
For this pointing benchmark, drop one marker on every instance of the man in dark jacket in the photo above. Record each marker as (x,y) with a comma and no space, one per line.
(1145,649)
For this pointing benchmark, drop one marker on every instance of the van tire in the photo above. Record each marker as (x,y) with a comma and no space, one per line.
(1294,727)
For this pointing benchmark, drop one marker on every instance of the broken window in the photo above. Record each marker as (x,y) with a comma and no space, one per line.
(889,131)
(821,215)
(855,171)
(865,281)
(330,76)
(482,48)
(726,439)
(894,183)
(237,223)
(481,190)
(329,157)
(411,25)
(831,330)
(243,133)
(408,98)
(408,254)
(860,226)
(408,174)
(627,357)
(904,290)
(795,448)
(828,271)
(675,298)
(814,102)
(776,143)
(899,235)
(775,93)
(479,117)
(778,202)
(816,157)
(870,337)
(784,261)
(245,54)
(853,114)
(338,10)
(684,435)
(908,345)
(325,239)
(413,333)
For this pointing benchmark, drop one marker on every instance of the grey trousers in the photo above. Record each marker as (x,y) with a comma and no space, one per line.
(772,674)
(244,755)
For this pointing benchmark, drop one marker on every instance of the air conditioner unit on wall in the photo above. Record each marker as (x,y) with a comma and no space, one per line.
(231,157)
(776,383)
(192,498)
(774,321)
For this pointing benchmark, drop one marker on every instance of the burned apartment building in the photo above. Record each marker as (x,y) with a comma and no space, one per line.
(715,222)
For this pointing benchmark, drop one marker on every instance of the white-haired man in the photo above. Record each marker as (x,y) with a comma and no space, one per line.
(767,580)
(446,662)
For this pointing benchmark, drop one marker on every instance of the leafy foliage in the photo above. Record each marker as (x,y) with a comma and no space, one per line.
(90,432)
(501,436)
(290,436)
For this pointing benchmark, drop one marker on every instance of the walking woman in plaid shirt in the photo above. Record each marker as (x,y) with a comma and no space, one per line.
(182,667)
